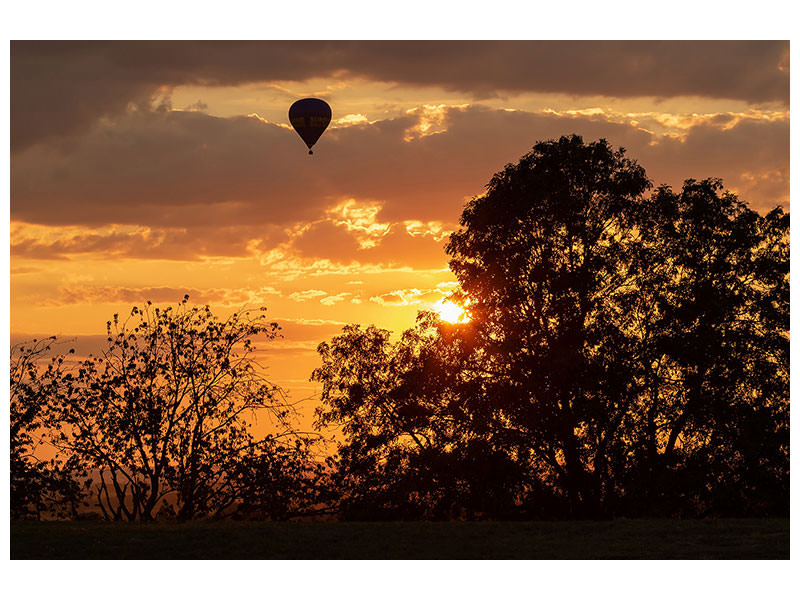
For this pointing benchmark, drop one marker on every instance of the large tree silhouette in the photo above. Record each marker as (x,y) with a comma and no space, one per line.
(547,257)
(624,351)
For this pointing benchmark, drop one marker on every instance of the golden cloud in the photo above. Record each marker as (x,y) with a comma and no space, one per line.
(360,218)
(306,295)
(409,297)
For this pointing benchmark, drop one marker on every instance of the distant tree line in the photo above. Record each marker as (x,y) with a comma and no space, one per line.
(627,354)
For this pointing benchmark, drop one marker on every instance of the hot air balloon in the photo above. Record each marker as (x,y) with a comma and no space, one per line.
(310,117)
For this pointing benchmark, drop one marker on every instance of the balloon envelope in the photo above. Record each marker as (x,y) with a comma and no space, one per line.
(310,117)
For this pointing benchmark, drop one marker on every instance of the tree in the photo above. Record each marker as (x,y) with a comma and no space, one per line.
(281,481)
(163,417)
(411,449)
(626,355)
(715,345)
(36,486)
(547,259)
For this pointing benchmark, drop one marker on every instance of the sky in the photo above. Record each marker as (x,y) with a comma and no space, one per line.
(149,170)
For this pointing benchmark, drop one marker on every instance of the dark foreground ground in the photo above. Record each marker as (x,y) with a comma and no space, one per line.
(625,539)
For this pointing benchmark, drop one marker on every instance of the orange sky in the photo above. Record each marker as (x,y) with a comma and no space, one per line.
(146,171)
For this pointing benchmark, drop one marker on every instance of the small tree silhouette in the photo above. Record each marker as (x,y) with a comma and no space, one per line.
(162,413)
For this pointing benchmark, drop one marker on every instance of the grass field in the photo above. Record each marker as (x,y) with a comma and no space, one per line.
(621,539)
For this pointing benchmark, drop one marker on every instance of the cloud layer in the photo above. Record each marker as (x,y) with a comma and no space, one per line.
(59,88)
(186,185)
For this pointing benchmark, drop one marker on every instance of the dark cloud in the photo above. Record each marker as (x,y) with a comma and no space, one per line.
(161,169)
(751,157)
(187,170)
(208,186)
(172,244)
(60,88)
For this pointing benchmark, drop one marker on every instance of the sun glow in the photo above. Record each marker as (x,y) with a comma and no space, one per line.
(450,311)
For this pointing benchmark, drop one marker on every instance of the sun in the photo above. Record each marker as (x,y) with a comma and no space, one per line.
(450,311)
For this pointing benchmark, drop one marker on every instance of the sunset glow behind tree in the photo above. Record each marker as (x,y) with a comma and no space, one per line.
(139,178)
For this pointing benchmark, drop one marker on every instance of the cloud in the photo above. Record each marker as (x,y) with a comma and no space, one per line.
(134,242)
(742,154)
(65,243)
(361,219)
(326,239)
(331,300)
(306,295)
(308,330)
(185,185)
(410,297)
(83,294)
(60,88)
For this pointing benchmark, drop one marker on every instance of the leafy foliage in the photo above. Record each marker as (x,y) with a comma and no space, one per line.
(407,413)
(37,486)
(714,302)
(162,419)
(626,354)
(547,257)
